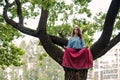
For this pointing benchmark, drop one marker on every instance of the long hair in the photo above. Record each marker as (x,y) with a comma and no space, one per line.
(79,32)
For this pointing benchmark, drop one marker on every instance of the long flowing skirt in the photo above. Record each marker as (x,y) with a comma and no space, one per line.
(75,59)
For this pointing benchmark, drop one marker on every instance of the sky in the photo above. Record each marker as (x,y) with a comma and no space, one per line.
(99,5)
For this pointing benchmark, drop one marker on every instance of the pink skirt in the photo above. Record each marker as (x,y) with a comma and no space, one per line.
(75,59)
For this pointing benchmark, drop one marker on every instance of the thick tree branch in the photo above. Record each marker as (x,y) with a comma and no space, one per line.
(58,40)
(43,21)
(109,21)
(112,43)
(16,25)
(108,28)
(19,11)
(55,52)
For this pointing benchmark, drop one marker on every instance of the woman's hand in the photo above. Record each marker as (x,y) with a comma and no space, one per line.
(64,47)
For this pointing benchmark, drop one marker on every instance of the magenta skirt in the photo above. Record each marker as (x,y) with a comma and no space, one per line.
(75,59)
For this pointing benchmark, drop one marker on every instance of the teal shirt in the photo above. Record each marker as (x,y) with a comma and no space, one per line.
(76,42)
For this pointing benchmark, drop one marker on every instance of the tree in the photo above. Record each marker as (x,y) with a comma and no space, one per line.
(49,42)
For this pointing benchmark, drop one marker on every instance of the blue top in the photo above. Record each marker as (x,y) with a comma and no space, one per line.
(76,42)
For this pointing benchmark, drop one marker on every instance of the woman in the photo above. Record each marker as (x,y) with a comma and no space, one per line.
(76,55)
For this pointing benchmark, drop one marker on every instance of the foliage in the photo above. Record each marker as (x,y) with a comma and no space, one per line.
(99,20)
(9,53)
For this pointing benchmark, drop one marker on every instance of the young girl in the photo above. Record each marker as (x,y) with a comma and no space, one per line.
(76,55)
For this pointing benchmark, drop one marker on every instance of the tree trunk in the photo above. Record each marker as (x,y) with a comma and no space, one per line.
(71,74)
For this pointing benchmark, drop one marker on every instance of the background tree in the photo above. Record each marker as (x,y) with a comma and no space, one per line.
(37,65)
(50,42)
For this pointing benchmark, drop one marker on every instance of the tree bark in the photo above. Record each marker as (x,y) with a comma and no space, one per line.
(55,52)
(71,74)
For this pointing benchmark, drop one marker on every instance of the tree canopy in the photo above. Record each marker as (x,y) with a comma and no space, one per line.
(52,33)
(20,10)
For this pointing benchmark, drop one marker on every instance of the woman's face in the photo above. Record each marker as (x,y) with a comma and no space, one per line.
(76,30)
